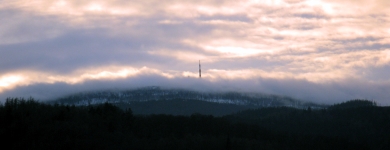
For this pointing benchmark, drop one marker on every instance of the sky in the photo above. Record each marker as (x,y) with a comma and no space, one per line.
(324,51)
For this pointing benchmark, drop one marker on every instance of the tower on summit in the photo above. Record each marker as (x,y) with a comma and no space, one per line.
(200,71)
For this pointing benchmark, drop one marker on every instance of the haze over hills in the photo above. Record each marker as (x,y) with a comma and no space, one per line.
(156,100)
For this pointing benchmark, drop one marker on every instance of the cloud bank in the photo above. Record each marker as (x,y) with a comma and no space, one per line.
(318,50)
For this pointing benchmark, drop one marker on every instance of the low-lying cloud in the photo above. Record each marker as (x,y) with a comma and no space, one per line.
(333,91)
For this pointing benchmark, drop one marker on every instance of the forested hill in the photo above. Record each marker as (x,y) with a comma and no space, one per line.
(28,124)
(182,107)
(155,100)
(356,121)
(157,94)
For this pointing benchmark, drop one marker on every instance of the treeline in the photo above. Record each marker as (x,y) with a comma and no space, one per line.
(356,121)
(182,107)
(157,94)
(28,124)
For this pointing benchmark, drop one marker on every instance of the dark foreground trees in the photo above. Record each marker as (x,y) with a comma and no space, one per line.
(28,124)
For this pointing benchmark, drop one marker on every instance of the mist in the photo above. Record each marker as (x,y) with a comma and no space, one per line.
(327,93)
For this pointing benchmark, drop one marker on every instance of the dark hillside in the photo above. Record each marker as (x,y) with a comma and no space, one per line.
(182,107)
(28,124)
(361,124)
(354,104)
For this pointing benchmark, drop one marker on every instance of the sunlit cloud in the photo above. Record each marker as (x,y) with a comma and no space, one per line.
(24,78)
(238,51)
(10,81)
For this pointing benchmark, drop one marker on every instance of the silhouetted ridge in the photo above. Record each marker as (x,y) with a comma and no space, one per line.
(354,104)
(28,124)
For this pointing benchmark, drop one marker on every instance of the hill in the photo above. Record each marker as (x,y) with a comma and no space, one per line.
(364,124)
(28,124)
(182,107)
(155,100)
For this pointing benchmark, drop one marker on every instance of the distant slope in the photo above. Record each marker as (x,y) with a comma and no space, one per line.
(182,107)
(29,124)
(354,104)
(155,100)
(365,124)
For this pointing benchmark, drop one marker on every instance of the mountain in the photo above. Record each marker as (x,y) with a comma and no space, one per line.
(156,100)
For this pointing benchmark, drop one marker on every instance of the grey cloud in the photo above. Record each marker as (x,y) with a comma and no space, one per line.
(69,52)
(312,16)
(238,17)
(365,46)
(78,48)
(259,62)
(361,43)
(378,74)
(18,27)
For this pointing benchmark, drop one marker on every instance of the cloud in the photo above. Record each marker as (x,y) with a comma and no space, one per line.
(324,93)
(321,44)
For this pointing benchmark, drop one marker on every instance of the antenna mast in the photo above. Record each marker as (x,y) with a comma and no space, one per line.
(200,72)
